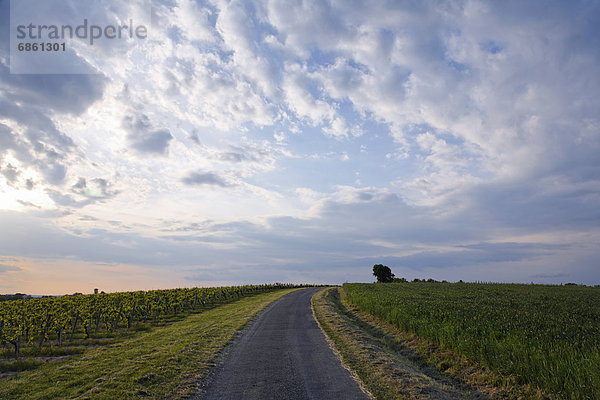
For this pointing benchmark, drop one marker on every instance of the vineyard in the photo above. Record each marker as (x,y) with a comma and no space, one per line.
(42,326)
(544,336)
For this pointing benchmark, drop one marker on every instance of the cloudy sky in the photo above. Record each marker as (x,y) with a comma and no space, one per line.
(304,141)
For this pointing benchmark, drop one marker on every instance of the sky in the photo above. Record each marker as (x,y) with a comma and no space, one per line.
(305,141)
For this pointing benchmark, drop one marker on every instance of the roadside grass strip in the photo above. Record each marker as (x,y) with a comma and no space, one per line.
(396,365)
(165,362)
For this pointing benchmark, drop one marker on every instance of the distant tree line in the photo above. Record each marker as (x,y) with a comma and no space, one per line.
(384,274)
(16,296)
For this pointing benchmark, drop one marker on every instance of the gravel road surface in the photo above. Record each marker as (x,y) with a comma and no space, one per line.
(282,355)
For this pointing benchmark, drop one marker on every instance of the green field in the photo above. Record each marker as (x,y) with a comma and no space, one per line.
(36,326)
(163,359)
(544,336)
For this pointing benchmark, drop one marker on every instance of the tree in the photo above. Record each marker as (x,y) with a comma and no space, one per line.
(383,273)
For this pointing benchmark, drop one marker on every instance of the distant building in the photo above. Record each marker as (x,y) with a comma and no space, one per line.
(96,291)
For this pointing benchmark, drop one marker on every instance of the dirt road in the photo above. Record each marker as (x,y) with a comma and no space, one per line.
(282,355)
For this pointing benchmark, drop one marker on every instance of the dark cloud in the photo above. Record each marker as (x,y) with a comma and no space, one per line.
(40,128)
(66,200)
(7,139)
(5,23)
(194,138)
(87,191)
(204,178)
(244,153)
(511,250)
(81,184)
(144,138)
(475,255)
(10,173)
(365,196)
(552,203)
(32,101)
(88,218)
(156,142)
(550,276)
(347,238)
(54,172)
(28,204)
(388,217)
(37,238)
(71,94)
(232,157)
(44,150)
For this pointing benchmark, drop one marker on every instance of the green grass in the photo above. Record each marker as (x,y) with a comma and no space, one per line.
(162,363)
(394,364)
(45,351)
(19,365)
(545,336)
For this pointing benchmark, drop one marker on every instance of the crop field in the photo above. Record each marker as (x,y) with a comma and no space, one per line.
(35,331)
(167,359)
(544,336)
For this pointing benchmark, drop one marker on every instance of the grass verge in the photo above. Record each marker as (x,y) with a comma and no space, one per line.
(396,365)
(163,363)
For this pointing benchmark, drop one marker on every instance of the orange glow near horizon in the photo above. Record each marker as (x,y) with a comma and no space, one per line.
(58,277)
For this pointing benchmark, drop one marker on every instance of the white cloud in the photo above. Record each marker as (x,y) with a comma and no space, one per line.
(296,86)
(459,124)
(192,19)
(337,128)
